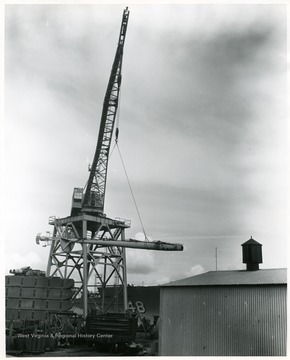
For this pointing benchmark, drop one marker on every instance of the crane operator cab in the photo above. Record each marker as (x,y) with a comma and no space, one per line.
(94,204)
(77,200)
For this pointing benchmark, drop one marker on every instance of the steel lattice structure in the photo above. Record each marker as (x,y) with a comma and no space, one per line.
(87,245)
(77,252)
(74,258)
(94,195)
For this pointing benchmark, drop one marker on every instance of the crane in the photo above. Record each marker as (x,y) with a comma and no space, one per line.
(87,245)
(93,198)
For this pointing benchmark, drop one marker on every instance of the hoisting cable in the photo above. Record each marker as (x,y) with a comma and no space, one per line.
(117,127)
(144,232)
(130,187)
(112,150)
(118,120)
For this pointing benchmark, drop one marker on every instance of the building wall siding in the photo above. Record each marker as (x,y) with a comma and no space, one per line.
(223,321)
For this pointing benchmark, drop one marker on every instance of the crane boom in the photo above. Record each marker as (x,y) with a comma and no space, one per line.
(87,244)
(137,244)
(67,243)
(94,194)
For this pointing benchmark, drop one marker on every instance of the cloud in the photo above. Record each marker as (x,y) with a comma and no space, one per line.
(142,237)
(140,262)
(209,210)
(159,280)
(202,125)
(194,270)
(17,261)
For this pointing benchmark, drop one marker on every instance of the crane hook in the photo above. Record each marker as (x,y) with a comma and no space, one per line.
(117,134)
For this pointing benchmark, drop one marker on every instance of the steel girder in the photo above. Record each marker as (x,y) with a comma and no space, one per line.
(94,195)
(93,267)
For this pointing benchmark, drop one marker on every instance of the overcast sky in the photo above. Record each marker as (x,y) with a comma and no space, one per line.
(202,128)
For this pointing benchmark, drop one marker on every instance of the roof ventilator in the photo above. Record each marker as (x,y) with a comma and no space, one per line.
(252,254)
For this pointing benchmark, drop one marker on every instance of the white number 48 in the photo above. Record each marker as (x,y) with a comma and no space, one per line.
(139,307)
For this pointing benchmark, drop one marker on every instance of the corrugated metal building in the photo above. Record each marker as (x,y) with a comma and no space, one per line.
(225,313)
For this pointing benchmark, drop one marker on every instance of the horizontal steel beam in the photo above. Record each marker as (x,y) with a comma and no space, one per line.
(127,243)
(136,244)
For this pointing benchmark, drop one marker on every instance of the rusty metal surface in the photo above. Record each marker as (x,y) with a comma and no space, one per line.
(33,297)
(144,299)
(112,327)
(223,321)
(39,282)
(38,293)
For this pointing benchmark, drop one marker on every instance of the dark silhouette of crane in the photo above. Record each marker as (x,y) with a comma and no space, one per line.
(87,246)
(93,198)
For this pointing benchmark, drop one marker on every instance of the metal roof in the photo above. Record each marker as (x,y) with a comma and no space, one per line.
(235,277)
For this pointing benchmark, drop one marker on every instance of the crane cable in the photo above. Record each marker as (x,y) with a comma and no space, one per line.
(123,164)
(117,125)
(131,190)
(118,116)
